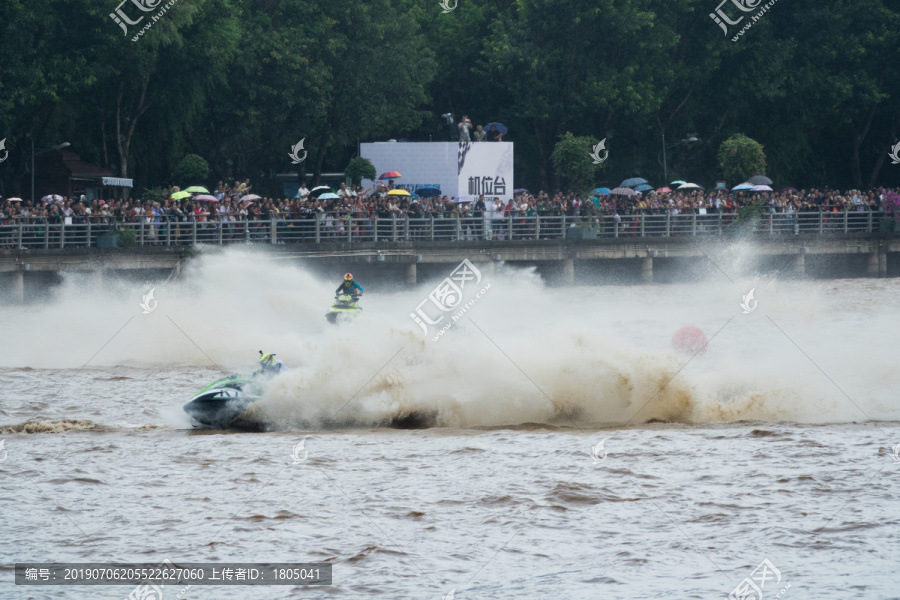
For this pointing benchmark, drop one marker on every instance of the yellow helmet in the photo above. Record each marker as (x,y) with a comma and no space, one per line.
(348,277)
(265,359)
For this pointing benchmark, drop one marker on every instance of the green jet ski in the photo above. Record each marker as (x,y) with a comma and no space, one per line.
(345,307)
(226,404)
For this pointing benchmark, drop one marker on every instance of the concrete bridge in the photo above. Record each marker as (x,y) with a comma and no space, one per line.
(26,274)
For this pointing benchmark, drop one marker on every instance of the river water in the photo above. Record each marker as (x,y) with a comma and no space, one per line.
(774,444)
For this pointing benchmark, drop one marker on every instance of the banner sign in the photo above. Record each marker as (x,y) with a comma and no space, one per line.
(458,169)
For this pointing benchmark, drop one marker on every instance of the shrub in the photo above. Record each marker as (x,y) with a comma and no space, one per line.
(741,157)
(192,170)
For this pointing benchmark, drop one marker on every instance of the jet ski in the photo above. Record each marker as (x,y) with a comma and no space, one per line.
(227,404)
(344,308)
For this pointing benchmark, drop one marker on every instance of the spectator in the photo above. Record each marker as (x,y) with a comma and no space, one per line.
(480,134)
(464,127)
(494,135)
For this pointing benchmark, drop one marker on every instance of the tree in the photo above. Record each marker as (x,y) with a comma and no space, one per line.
(192,170)
(741,157)
(573,162)
(360,168)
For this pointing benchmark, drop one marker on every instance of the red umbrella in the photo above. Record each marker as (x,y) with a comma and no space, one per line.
(390,175)
(205,198)
(663,190)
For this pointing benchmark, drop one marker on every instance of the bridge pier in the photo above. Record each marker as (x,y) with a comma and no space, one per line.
(647,270)
(411,274)
(882,264)
(568,271)
(800,265)
(18,285)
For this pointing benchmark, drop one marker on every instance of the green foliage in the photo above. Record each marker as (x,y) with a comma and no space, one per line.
(360,168)
(241,81)
(128,238)
(157,194)
(572,159)
(192,170)
(741,157)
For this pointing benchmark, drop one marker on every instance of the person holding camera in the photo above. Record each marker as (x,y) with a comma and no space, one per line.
(464,127)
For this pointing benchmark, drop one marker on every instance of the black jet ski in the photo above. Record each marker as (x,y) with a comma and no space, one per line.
(227,404)
(345,307)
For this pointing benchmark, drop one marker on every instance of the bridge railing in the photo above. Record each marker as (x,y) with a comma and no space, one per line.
(164,231)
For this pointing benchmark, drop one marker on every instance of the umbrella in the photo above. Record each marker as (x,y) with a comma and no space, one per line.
(643,187)
(250,198)
(321,189)
(762,188)
(690,186)
(398,193)
(633,182)
(623,191)
(760,180)
(520,191)
(197,189)
(462,199)
(181,195)
(498,126)
(391,175)
(329,196)
(428,191)
(601,191)
(205,198)
(52,198)
(679,182)
(13,199)
(743,186)
(663,190)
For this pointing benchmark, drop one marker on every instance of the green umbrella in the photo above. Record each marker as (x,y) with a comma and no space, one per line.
(197,189)
(181,195)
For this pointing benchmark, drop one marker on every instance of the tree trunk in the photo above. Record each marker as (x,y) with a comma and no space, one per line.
(880,162)
(123,141)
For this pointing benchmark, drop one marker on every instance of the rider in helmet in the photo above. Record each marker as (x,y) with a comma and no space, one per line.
(269,365)
(349,287)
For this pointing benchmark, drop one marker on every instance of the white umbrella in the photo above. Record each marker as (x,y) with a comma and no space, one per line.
(762,188)
(689,186)
(743,186)
(462,200)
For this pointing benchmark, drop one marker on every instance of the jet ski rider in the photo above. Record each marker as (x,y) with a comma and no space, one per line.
(349,287)
(269,365)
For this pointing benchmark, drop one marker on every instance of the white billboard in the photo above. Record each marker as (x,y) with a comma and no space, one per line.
(467,169)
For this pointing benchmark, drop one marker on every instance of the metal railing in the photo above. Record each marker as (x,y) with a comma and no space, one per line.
(165,231)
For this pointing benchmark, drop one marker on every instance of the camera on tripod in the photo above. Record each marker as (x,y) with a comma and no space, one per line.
(447,118)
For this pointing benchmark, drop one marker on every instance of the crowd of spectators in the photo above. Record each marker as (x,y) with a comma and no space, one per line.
(356,213)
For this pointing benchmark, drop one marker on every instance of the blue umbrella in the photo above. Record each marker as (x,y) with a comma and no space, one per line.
(643,187)
(498,126)
(601,191)
(428,192)
(634,181)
